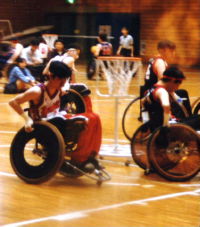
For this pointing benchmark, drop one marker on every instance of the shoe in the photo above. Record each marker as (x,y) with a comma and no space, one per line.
(68,171)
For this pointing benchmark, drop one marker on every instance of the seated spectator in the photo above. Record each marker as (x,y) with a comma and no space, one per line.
(59,49)
(5,54)
(20,78)
(44,49)
(16,49)
(34,60)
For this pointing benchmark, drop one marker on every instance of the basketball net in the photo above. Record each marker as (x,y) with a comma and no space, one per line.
(118,72)
(50,39)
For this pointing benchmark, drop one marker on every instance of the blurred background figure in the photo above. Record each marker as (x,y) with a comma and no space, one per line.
(103,48)
(34,59)
(16,48)
(20,78)
(126,44)
(59,49)
(44,49)
(5,55)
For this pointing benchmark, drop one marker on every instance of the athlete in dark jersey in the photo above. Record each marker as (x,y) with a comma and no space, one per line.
(159,101)
(157,65)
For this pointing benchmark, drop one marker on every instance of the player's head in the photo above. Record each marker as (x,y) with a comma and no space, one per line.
(167,49)
(21,62)
(34,44)
(124,31)
(73,52)
(173,77)
(59,45)
(60,70)
(102,37)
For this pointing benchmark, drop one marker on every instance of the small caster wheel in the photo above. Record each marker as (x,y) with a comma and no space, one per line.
(101,157)
(99,182)
(127,163)
(147,171)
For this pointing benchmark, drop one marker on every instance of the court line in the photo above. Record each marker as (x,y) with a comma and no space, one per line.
(87,212)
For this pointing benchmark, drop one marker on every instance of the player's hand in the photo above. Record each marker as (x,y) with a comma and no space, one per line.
(28,122)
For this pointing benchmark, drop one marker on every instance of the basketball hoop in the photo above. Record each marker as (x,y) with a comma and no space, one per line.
(118,72)
(50,39)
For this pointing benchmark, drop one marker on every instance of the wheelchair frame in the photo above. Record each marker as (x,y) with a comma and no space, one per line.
(51,148)
(143,147)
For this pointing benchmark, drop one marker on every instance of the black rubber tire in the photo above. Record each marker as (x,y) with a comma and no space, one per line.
(139,146)
(196,107)
(49,137)
(179,160)
(127,134)
(75,100)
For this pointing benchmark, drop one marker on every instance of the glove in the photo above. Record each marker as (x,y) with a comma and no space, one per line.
(28,122)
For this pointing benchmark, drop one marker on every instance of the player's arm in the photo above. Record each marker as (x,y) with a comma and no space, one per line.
(163,97)
(159,67)
(31,94)
(46,69)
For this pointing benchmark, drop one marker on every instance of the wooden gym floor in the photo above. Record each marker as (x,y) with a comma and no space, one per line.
(129,199)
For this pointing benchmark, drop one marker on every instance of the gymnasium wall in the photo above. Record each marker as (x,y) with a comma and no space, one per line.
(177,20)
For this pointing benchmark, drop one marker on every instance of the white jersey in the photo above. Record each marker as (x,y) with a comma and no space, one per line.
(48,106)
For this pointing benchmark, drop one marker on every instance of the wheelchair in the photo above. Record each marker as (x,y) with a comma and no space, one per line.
(38,155)
(172,152)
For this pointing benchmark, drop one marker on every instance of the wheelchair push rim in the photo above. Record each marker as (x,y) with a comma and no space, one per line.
(178,158)
(73,102)
(139,146)
(37,156)
(131,113)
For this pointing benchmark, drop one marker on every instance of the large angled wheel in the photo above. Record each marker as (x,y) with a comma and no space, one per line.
(73,102)
(38,155)
(174,152)
(196,107)
(139,146)
(131,119)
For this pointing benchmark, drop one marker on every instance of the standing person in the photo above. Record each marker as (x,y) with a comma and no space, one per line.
(126,44)
(34,60)
(59,49)
(20,78)
(158,64)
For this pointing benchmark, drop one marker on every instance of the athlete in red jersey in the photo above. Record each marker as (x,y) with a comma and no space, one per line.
(45,103)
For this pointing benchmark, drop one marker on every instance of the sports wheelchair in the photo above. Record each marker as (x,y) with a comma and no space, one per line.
(174,151)
(38,155)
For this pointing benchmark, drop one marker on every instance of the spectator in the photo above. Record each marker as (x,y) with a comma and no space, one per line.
(5,55)
(59,49)
(16,48)
(20,78)
(34,60)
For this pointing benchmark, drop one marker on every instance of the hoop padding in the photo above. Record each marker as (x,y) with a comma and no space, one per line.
(52,143)
(118,72)
(175,154)
(50,39)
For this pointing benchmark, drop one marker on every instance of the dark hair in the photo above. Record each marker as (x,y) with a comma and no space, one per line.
(35,42)
(172,73)
(166,44)
(125,28)
(19,60)
(59,41)
(60,70)
(103,36)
